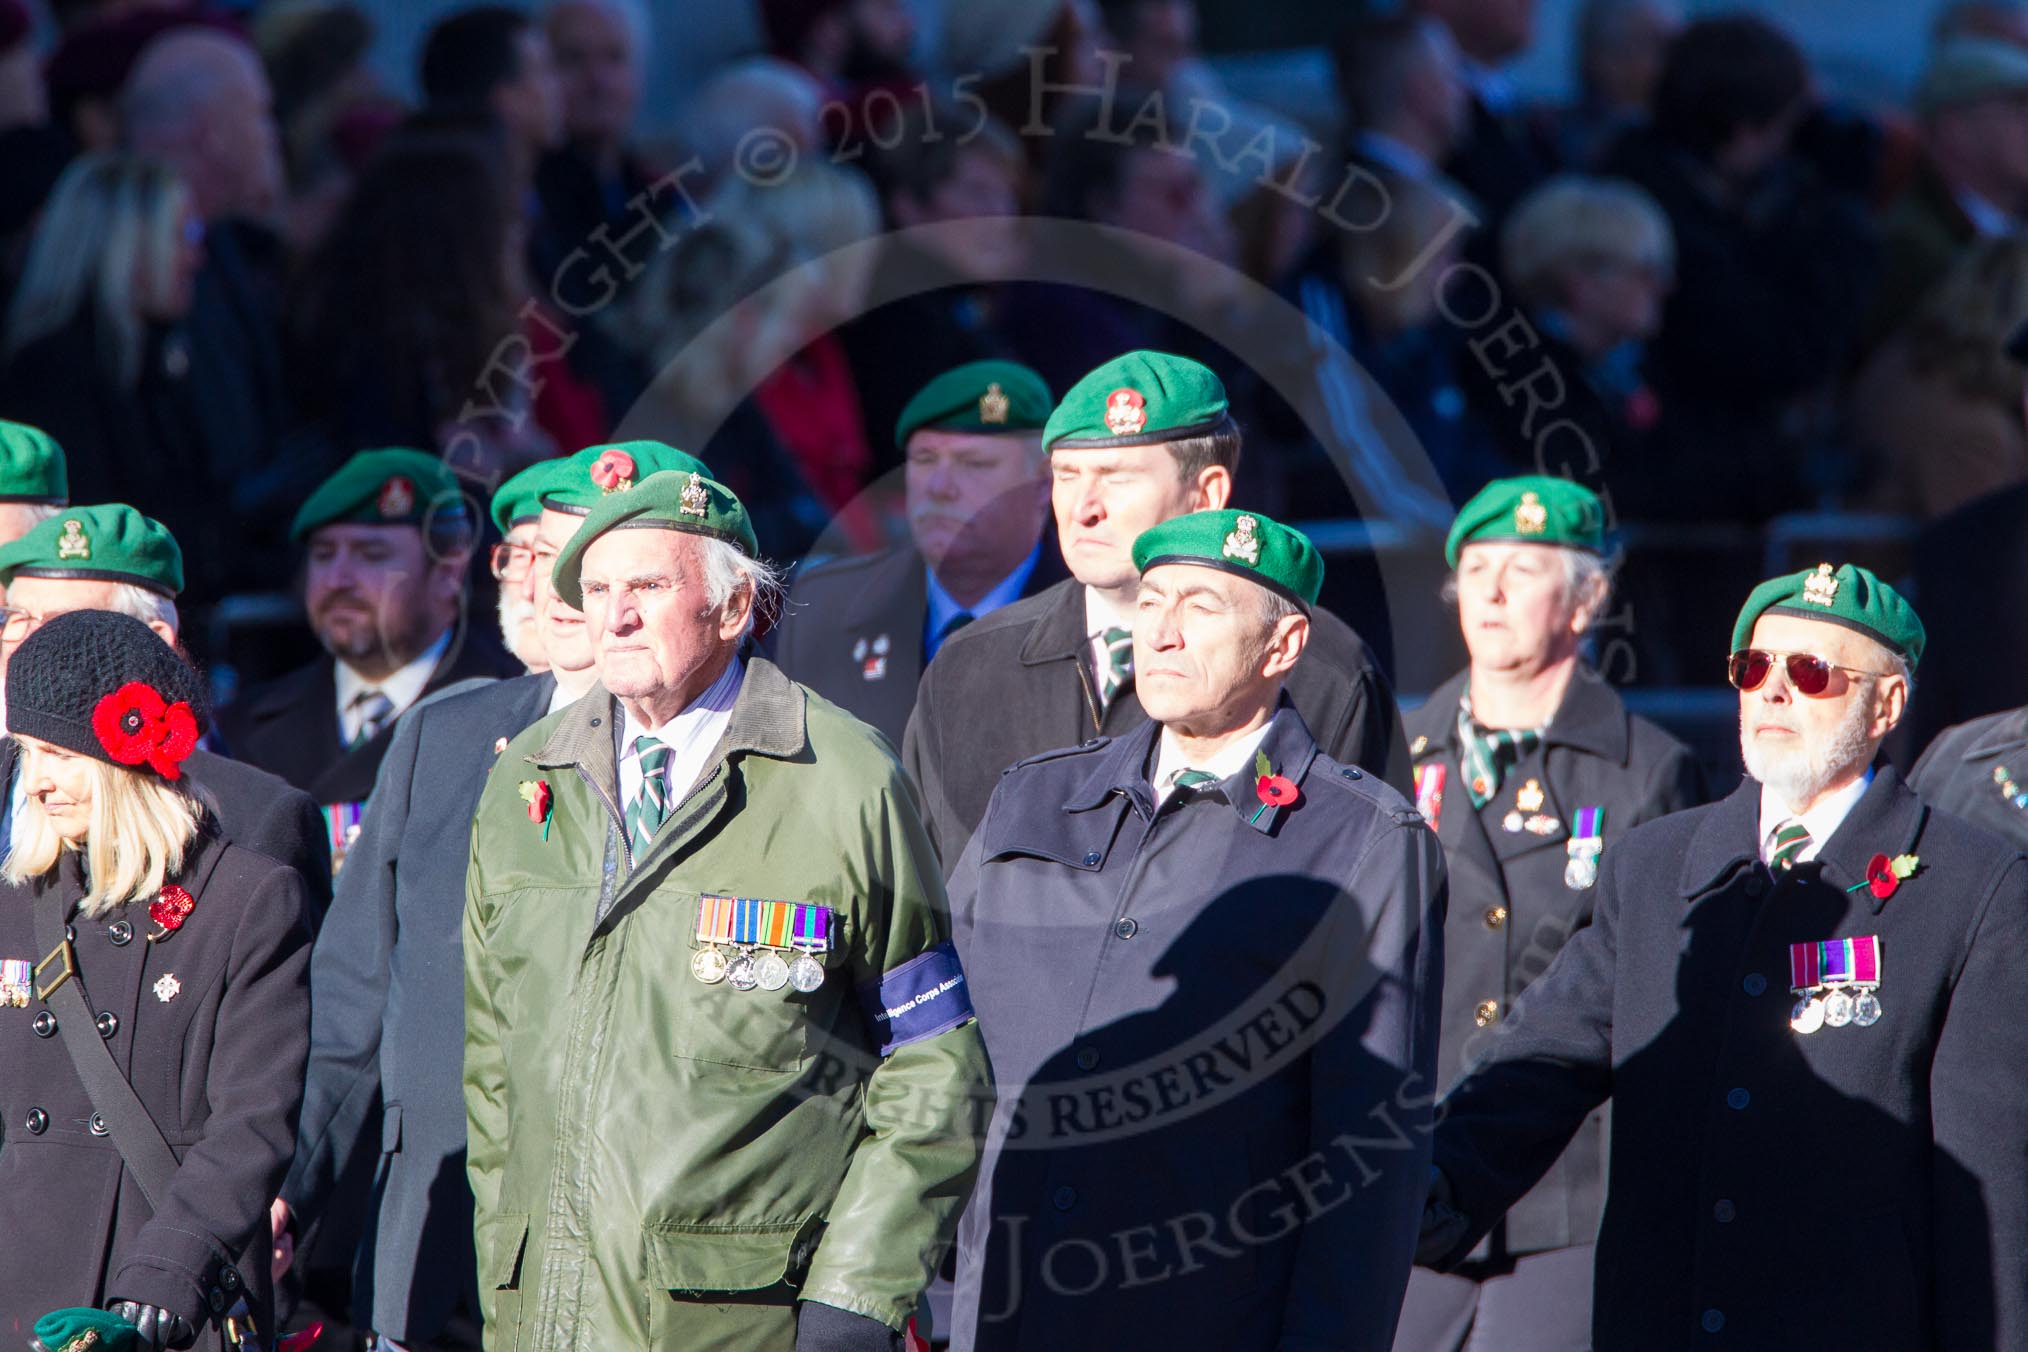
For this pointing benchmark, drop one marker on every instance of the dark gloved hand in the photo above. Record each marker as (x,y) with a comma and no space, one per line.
(1443,1225)
(155,1327)
(826,1328)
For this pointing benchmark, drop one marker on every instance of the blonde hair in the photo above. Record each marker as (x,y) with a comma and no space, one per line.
(1577,223)
(109,239)
(142,829)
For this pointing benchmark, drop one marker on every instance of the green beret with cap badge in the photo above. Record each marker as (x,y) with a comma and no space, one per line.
(585,479)
(1245,544)
(980,396)
(83,1329)
(32,467)
(1141,399)
(1846,595)
(388,487)
(1536,509)
(668,500)
(520,498)
(111,542)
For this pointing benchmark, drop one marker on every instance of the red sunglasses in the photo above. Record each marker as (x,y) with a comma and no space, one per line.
(1810,674)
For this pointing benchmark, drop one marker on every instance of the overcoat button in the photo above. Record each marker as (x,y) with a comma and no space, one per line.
(45,1024)
(38,1121)
(1714,1320)
(1755,983)
(98,1125)
(1127,928)
(1754,886)
(1087,1058)
(1091,860)
(1352,772)
(217,1299)
(1064,1198)
(1496,916)
(1487,1014)
(229,1279)
(1724,1211)
(1738,1099)
(121,932)
(108,1023)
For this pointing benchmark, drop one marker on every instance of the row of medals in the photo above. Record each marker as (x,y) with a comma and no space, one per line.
(1839,1007)
(766,970)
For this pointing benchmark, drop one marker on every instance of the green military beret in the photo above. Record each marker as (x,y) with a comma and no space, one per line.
(587,478)
(669,500)
(31,466)
(1848,595)
(83,1329)
(391,487)
(107,543)
(520,498)
(1141,399)
(1537,509)
(980,396)
(1245,544)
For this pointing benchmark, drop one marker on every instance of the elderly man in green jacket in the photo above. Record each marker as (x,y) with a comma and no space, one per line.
(722,1079)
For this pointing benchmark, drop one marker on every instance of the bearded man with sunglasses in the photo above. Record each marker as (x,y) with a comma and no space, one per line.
(1804,1005)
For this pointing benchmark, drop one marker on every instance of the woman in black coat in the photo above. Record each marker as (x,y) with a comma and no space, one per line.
(191,957)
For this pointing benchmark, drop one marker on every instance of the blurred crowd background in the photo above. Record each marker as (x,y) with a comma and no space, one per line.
(1764,307)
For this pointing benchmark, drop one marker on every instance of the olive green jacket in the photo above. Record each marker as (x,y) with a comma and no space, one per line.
(636,1136)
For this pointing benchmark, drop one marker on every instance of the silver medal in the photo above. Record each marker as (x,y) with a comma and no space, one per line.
(741,974)
(1837,1009)
(1866,1009)
(770,971)
(708,965)
(1581,872)
(806,973)
(1808,1015)
(1511,822)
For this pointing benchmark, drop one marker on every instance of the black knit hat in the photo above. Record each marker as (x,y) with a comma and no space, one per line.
(105,685)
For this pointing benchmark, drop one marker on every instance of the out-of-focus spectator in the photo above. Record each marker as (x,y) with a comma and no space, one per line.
(1157,36)
(1589,261)
(845,44)
(2005,20)
(995,40)
(1619,49)
(1773,271)
(94,353)
(756,96)
(32,150)
(89,68)
(1406,103)
(24,100)
(1971,182)
(736,321)
(199,100)
(495,59)
(946,307)
(315,55)
(1938,406)
(1502,154)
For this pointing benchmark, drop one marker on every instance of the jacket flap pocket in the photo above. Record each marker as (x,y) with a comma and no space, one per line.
(390,1129)
(500,1242)
(678,1257)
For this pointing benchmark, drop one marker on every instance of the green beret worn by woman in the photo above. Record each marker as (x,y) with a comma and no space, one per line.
(154,1005)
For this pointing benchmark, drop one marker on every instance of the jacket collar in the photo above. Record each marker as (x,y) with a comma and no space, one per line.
(767,720)
(2008,733)
(1122,768)
(1591,717)
(1059,632)
(1887,819)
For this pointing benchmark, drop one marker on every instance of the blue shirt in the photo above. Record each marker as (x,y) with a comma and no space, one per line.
(943,608)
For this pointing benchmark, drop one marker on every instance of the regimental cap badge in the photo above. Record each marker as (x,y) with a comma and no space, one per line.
(1821,588)
(993,404)
(1126,412)
(1530,516)
(1241,543)
(696,501)
(397,498)
(75,544)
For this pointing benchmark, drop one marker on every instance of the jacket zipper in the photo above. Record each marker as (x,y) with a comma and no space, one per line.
(619,818)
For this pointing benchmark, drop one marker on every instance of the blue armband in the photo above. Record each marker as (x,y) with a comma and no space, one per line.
(921,998)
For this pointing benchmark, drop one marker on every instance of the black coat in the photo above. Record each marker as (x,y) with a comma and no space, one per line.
(1761,1178)
(289,727)
(389,1023)
(1971,569)
(1189,1009)
(876,599)
(218,1066)
(1019,682)
(1957,773)
(253,809)
(1511,908)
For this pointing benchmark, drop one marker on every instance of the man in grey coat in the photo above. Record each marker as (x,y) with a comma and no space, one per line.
(1207,961)
(388,1022)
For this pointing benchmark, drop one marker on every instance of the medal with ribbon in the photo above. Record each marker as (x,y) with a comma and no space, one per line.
(763,934)
(1587,843)
(17,982)
(1835,981)
(714,927)
(1429,793)
(813,936)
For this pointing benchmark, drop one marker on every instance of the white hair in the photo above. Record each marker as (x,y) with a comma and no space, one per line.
(633,17)
(727,570)
(144,605)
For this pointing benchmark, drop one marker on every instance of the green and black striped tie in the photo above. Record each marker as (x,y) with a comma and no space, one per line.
(1791,838)
(1487,754)
(650,807)
(1119,645)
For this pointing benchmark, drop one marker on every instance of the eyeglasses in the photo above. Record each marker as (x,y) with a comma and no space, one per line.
(16,623)
(1810,674)
(510,563)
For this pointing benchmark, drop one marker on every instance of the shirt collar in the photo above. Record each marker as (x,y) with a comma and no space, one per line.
(404,687)
(1233,757)
(943,607)
(696,718)
(1821,821)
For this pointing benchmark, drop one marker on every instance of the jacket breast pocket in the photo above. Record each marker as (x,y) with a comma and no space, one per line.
(715,1020)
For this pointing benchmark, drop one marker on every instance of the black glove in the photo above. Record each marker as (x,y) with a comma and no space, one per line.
(826,1328)
(1443,1225)
(155,1327)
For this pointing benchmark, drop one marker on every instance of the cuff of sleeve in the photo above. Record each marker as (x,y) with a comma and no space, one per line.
(839,1298)
(186,1276)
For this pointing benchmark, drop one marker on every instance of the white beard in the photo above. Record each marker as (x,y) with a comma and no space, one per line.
(1799,775)
(513,614)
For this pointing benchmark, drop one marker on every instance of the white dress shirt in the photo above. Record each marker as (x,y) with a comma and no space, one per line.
(1099,617)
(402,689)
(1820,820)
(691,737)
(1233,757)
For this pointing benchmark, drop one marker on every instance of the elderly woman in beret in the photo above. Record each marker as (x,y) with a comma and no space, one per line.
(154,1005)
